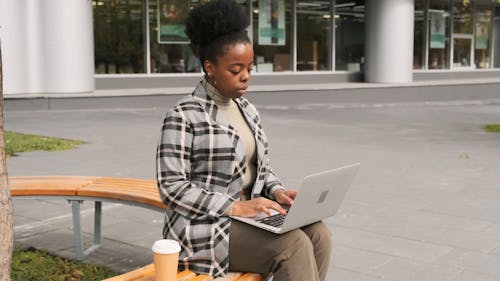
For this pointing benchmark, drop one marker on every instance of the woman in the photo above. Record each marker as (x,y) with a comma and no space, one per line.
(212,162)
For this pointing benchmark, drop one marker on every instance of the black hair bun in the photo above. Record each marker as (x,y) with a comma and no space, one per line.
(214,19)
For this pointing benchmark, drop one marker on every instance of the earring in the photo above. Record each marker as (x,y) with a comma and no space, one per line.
(212,79)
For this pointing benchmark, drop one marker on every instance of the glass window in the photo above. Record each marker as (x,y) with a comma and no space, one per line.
(272,35)
(496,36)
(484,19)
(419,33)
(349,34)
(439,34)
(462,17)
(462,33)
(314,35)
(118,36)
(170,51)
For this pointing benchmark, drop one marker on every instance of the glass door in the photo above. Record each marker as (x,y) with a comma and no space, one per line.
(462,51)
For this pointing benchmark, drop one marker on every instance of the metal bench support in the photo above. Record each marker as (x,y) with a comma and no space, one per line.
(81,252)
(75,202)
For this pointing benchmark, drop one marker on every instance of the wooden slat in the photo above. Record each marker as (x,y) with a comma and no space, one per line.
(185,275)
(201,278)
(231,276)
(48,186)
(134,190)
(135,275)
(250,277)
(147,273)
(146,278)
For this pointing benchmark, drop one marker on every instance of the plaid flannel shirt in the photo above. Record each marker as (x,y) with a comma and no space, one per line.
(200,167)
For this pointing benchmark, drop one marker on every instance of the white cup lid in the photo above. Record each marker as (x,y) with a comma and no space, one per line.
(166,246)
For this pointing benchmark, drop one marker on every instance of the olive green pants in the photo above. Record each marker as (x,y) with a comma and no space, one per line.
(298,255)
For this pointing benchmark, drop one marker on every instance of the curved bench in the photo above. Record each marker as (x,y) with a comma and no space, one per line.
(76,189)
(147,273)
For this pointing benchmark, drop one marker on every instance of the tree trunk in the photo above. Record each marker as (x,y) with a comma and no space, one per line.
(6,228)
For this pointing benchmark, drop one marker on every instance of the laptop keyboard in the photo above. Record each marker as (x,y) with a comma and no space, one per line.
(275,220)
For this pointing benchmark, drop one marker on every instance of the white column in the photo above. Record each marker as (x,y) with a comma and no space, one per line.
(14,46)
(47,46)
(34,75)
(68,46)
(389,41)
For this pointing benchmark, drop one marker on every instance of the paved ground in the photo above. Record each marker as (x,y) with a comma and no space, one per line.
(425,205)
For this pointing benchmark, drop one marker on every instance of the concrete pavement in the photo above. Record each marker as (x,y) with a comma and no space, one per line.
(424,206)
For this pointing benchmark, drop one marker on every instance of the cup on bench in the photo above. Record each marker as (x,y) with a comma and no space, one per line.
(166,259)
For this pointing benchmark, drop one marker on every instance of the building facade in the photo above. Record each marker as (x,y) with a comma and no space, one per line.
(60,46)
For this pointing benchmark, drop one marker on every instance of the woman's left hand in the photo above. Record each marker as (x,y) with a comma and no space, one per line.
(285,196)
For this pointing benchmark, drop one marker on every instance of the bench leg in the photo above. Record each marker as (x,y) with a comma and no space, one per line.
(81,252)
(97,222)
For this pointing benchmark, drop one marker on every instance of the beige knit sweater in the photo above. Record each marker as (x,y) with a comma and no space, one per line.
(232,113)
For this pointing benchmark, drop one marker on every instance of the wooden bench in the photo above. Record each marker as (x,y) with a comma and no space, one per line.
(147,273)
(77,189)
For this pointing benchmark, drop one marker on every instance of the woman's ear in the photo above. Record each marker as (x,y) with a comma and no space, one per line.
(209,67)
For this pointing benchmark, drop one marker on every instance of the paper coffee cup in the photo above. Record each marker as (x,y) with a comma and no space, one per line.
(166,258)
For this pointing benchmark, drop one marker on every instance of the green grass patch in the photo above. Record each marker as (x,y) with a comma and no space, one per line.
(492,128)
(16,143)
(37,265)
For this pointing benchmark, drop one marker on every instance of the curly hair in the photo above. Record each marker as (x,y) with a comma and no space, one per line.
(215,25)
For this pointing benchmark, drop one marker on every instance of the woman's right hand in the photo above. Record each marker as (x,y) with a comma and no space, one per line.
(254,207)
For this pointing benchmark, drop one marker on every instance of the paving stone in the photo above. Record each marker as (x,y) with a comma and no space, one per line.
(35,227)
(432,219)
(389,245)
(403,228)
(345,219)
(52,241)
(357,260)
(471,208)
(356,238)
(42,209)
(137,214)
(399,269)
(393,200)
(495,252)
(117,256)
(127,232)
(415,250)
(473,261)
(493,229)
(22,220)
(467,275)
(121,257)
(469,240)
(337,273)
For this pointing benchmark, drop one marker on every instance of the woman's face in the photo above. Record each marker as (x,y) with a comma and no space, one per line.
(231,73)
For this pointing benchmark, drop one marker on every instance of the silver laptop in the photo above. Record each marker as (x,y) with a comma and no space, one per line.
(319,197)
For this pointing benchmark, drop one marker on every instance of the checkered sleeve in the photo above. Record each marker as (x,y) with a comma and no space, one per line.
(271,182)
(173,173)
